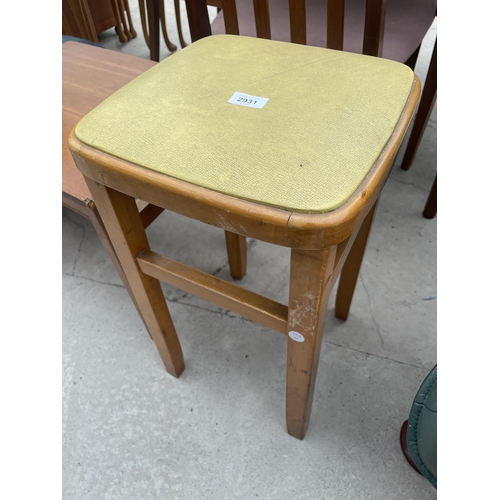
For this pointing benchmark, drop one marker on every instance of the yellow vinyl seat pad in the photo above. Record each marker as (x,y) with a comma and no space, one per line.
(328,117)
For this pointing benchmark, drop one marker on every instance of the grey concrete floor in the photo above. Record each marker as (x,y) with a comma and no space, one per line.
(131,431)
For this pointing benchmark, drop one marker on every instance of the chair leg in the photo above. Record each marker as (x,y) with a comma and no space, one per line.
(237,254)
(427,101)
(118,20)
(350,271)
(431,205)
(311,281)
(123,20)
(163,22)
(153,20)
(124,226)
(179,23)
(412,60)
(144,21)
(132,31)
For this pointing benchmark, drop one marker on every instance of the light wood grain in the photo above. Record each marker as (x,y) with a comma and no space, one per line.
(265,311)
(322,245)
(350,270)
(311,282)
(124,226)
(237,254)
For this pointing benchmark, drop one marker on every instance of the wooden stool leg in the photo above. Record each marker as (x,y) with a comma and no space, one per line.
(431,205)
(237,254)
(311,281)
(124,226)
(96,220)
(350,271)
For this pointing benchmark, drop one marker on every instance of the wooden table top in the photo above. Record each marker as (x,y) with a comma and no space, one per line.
(89,75)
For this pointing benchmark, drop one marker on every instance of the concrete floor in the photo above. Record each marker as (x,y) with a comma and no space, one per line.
(131,431)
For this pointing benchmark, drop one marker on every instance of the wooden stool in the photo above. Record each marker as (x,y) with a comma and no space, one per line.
(298,160)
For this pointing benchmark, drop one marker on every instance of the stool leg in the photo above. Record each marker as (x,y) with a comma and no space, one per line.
(96,220)
(124,225)
(237,254)
(350,271)
(311,281)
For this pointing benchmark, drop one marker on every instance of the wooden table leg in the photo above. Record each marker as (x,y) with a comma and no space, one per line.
(237,254)
(123,222)
(350,271)
(311,281)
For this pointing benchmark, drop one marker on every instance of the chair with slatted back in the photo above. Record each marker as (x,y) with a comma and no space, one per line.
(299,21)
(281,142)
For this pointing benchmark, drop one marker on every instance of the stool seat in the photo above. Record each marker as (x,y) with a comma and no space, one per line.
(328,117)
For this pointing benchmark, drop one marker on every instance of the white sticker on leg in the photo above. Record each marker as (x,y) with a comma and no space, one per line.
(298,337)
